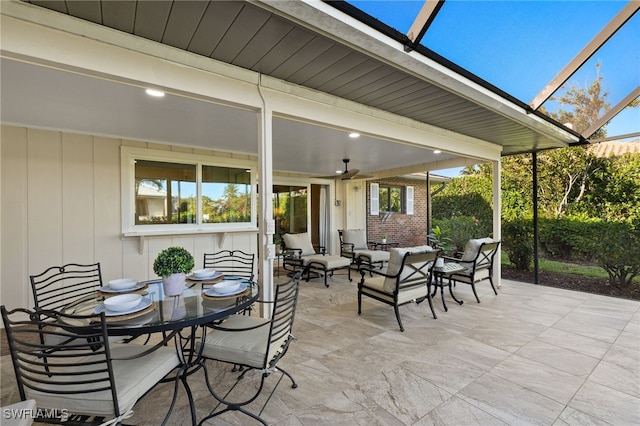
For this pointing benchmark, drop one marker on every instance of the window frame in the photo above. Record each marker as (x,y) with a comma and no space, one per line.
(403,201)
(129,155)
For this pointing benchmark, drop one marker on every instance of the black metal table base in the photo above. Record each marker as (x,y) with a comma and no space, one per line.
(439,282)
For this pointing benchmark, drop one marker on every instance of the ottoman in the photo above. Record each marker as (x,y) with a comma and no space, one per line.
(326,265)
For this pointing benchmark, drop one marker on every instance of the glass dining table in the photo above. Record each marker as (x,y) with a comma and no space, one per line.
(181,318)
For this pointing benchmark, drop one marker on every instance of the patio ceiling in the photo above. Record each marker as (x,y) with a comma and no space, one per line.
(307,44)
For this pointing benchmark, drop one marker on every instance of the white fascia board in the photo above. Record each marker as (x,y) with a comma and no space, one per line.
(336,25)
(300,103)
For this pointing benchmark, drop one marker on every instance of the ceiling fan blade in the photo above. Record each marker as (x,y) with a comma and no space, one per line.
(348,175)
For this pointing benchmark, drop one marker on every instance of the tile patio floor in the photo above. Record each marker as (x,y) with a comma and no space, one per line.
(532,355)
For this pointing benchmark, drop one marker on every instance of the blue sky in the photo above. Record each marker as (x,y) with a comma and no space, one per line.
(519,46)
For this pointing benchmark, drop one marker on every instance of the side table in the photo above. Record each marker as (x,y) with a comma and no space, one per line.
(439,274)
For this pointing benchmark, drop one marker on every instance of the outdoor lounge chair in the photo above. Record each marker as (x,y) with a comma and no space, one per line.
(354,246)
(477,258)
(408,279)
(300,254)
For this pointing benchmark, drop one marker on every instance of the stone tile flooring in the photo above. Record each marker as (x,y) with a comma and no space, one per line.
(532,355)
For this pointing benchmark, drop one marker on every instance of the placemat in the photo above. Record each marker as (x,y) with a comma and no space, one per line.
(116,318)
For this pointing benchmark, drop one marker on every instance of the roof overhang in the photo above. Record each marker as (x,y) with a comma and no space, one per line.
(311,51)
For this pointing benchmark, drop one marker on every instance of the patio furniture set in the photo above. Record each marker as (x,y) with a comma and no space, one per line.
(411,271)
(85,364)
(78,360)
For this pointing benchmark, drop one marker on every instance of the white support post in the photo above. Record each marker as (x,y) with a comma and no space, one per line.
(497,222)
(265,185)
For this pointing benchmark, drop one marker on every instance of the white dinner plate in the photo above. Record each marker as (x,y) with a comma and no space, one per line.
(213,276)
(213,292)
(107,289)
(144,303)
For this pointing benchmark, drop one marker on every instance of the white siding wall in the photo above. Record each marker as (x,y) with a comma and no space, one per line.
(60,203)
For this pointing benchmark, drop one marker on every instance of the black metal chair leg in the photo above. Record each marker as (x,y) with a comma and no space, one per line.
(473,287)
(395,308)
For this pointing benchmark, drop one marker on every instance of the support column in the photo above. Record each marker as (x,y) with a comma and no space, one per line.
(497,220)
(266,225)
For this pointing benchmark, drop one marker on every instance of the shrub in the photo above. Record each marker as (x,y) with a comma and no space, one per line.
(458,230)
(569,238)
(616,250)
(517,241)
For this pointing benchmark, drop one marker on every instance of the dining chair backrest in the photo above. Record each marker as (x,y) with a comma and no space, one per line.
(231,262)
(58,285)
(78,374)
(284,312)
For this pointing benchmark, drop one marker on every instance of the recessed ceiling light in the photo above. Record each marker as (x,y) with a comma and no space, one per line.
(354,135)
(338,172)
(155,93)
(436,151)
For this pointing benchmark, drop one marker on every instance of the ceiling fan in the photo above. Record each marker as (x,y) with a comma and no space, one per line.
(347,174)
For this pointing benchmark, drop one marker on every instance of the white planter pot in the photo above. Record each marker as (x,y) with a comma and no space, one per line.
(384,241)
(173,285)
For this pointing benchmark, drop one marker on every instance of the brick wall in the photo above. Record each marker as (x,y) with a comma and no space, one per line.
(406,230)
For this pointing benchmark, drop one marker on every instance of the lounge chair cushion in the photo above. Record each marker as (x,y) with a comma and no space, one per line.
(300,241)
(373,256)
(328,262)
(357,237)
(472,247)
(376,287)
(395,263)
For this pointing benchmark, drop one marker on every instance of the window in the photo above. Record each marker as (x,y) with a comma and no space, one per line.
(391,198)
(183,192)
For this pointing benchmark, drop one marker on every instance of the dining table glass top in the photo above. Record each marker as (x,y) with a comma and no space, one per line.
(198,304)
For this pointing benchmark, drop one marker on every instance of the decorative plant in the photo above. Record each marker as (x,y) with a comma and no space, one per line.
(173,260)
(384,237)
(438,240)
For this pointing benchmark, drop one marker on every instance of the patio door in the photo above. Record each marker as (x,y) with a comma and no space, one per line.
(298,209)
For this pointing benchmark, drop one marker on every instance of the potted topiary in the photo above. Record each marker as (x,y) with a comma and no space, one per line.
(172,264)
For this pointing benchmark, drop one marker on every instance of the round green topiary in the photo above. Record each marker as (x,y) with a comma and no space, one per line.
(173,260)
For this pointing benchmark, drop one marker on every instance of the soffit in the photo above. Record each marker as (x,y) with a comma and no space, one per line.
(252,37)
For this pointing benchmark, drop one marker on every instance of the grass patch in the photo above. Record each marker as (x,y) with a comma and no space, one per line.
(567,268)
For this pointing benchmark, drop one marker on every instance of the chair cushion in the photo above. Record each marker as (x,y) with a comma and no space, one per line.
(395,263)
(311,258)
(357,237)
(472,247)
(330,262)
(133,377)
(374,255)
(376,287)
(247,347)
(300,241)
